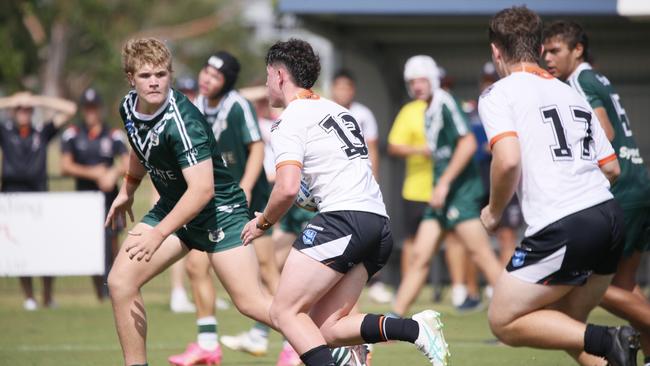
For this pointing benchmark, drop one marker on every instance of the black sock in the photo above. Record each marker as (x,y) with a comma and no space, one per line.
(318,356)
(144,364)
(598,341)
(379,328)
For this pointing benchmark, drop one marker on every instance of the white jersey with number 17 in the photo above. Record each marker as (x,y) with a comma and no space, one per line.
(562,144)
(325,140)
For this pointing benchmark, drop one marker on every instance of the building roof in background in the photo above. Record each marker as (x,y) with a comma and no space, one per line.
(464,7)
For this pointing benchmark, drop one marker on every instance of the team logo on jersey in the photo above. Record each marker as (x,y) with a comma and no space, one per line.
(275,125)
(518,258)
(105,146)
(155,138)
(216,236)
(308,236)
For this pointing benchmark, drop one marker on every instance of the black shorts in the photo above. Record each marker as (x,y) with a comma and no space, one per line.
(569,250)
(413,213)
(342,239)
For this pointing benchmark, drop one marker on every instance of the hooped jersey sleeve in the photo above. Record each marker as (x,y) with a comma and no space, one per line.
(190,142)
(493,111)
(288,139)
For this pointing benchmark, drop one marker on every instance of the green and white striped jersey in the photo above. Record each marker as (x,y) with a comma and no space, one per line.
(176,137)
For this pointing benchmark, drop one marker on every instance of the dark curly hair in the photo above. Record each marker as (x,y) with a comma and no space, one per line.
(570,33)
(517,31)
(299,59)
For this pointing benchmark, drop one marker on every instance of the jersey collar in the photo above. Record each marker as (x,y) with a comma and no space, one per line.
(150,117)
(582,67)
(535,70)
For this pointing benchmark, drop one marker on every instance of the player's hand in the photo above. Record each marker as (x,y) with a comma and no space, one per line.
(251,232)
(120,207)
(439,195)
(144,244)
(489,219)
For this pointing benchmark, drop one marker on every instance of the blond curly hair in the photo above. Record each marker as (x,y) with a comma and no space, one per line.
(142,51)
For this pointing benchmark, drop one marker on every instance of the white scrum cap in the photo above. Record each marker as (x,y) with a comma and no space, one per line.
(422,66)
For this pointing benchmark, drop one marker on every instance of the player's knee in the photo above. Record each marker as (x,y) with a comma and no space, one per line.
(279,314)
(499,326)
(119,285)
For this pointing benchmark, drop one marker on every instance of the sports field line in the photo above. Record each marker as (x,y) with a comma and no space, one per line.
(71,347)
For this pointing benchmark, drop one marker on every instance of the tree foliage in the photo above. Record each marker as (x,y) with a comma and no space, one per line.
(82,39)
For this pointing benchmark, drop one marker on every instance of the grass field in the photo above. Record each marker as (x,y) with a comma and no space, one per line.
(81,331)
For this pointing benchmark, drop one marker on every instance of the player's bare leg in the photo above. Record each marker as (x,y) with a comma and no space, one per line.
(124,281)
(548,317)
(238,271)
(197,266)
(407,255)
(282,242)
(624,299)
(477,241)
(264,249)
(455,255)
(426,243)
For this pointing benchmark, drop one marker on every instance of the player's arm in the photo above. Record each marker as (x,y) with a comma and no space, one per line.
(605,123)
(465,149)
(399,138)
(287,184)
(70,168)
(122,204)
(200,190)
(505,171)
(373,154)
(254,166)
(611,170)
(404,151)
(63,109)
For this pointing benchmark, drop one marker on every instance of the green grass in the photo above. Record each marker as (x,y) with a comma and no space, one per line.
(81,332)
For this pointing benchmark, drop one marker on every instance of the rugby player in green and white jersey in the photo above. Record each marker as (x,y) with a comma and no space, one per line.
(199,203)
(234,125)
(455,201)
(567,55)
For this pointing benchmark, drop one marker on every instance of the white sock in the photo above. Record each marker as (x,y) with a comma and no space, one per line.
(207,337)
(458,294)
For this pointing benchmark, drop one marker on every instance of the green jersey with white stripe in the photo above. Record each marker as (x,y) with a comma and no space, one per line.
(176,137)
(445,123)
(235,127)
(632,188)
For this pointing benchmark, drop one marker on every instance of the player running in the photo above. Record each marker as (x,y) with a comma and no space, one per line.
(199,202)
(566,52)
(548,145)
(321,157)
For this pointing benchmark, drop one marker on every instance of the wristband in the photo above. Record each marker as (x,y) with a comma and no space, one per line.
(263,223)
(131,179)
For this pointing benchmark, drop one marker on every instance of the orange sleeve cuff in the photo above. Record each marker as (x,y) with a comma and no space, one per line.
(289,162)
(500,136)
(606,159)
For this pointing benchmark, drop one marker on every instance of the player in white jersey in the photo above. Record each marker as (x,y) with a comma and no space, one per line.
(343,93)
(548,145)
(348,241)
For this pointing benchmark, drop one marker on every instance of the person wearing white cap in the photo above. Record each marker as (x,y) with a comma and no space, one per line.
(454,204)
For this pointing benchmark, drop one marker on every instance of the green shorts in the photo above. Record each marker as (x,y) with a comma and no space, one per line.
(215,234)
(637,230)
(463,203)
(295,220)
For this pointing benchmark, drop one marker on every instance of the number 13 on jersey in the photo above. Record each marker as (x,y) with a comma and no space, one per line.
(347,130)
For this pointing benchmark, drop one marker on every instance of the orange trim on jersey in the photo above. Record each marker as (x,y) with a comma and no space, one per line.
(381,328)
(500,136)
(535,70)
(306,94)
(606,159)
(289,162)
